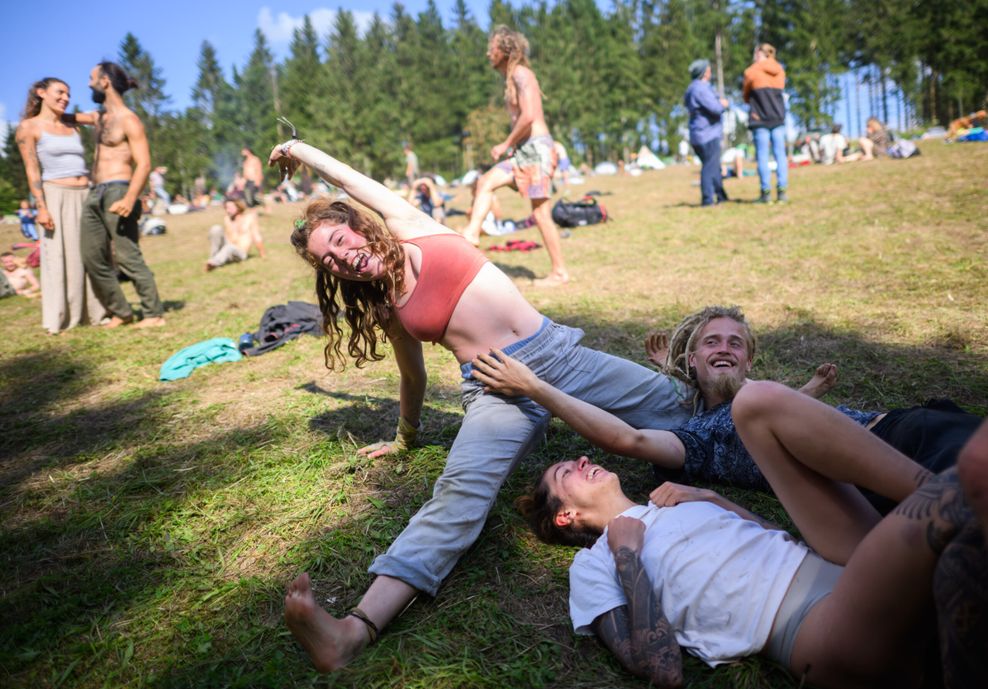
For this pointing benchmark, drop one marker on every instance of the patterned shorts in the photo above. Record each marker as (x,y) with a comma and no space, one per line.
(532,166)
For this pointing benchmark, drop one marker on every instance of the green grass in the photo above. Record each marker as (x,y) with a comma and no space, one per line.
(149,529)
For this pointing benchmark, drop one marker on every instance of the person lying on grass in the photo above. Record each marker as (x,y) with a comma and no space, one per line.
(714,349)
(692,571)
(395,274)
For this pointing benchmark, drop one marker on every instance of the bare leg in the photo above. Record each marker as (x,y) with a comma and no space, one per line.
(492,180)
(822,382)
(542,210)
(867,148)
(810,454)
(873,629)
(330,642)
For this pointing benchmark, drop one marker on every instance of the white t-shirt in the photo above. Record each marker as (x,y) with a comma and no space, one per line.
(719,578)
(829,145)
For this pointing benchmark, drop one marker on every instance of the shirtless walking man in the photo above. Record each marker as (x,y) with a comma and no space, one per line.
(253,173)
(533,161)
(111,211)
(231,242)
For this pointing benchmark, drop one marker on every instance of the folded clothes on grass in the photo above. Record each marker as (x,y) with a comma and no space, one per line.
(185,361)
(515,245)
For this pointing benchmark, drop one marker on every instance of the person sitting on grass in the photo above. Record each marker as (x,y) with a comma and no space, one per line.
(713,349)
(231,242)
(424,194)
(21,278)
(692,571)
(392,273)
(875,142)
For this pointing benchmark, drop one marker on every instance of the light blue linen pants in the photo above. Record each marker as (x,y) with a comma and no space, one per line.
(497,432)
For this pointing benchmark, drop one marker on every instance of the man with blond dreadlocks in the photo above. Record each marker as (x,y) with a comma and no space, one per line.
(533,160)
(712,350)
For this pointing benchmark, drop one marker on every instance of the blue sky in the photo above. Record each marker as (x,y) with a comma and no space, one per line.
(65,39)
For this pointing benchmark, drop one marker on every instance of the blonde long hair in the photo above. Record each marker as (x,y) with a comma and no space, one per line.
(515,47)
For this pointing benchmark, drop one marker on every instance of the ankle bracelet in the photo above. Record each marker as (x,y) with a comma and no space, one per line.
(372,630)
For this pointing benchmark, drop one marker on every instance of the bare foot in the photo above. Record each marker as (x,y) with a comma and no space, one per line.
(117,321)
(473,239)
(657,348)
(151,322)
(330,643)
(552,280)
(822,382)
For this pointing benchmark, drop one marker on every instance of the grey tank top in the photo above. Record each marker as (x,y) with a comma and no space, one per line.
(61,156)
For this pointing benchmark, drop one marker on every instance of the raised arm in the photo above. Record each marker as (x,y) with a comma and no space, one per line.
(411,392)
(638,633)
(506,376)
(27,142)
(402,219)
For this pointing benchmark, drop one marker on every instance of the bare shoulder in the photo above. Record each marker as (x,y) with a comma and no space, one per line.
(131,122)
(27,131)
(523,75)
(419,225)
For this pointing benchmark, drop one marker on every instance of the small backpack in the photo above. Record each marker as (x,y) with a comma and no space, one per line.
(586,211)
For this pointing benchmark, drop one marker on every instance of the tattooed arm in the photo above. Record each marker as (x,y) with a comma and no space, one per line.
(638,633)
(27,142)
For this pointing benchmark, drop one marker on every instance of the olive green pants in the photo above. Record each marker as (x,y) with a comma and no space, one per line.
(99,228)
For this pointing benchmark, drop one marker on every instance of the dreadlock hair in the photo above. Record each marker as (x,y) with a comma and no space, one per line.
(366,306)
(540,507)
(33,105)
(683,342)
(515,47)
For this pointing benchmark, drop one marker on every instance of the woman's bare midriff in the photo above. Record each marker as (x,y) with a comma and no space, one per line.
(80,181)
(491,313)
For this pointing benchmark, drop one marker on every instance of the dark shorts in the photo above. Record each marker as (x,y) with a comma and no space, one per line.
(252,195)
(932,434)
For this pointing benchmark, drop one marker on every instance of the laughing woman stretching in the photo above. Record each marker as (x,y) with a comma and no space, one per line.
(397,274)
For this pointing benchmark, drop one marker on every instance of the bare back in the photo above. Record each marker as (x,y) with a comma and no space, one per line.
(253,171)
(528,101)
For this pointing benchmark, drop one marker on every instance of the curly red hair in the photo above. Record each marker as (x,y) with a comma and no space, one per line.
(366,306)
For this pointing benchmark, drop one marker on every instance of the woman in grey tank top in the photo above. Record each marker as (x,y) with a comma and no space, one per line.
(59,181)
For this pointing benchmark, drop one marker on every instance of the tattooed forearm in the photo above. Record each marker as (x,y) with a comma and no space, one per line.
(639,633)
(940,503)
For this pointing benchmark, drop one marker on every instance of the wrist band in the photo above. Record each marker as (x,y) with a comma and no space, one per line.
(406,435)
(372,630)
(287,146)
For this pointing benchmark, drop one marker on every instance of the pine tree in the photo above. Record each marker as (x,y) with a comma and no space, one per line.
(254,97)
(148,100)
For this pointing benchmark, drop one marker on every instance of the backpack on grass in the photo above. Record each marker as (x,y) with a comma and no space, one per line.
(586,211)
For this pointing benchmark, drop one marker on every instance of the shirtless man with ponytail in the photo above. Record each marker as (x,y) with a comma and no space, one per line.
(111,212)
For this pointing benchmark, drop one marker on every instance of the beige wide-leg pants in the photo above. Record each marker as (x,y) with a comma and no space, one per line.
(67,298)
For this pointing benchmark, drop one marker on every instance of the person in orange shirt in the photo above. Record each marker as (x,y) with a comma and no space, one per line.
(764,82)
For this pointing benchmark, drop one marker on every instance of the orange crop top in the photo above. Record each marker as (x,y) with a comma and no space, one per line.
(449,264)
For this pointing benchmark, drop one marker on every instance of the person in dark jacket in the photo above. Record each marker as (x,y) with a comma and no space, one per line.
(705,108)
(764,82)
